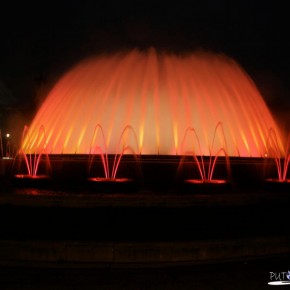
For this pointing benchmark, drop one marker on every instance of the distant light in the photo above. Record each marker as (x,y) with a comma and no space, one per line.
(266,155)
(7,135)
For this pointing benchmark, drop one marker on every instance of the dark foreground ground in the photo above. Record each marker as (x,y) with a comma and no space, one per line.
(242,275)
(31,214)
(233,240)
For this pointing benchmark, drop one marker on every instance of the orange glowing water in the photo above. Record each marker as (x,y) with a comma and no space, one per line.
(158,96)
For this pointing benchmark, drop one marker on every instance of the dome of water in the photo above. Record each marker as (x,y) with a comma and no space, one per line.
(153,103)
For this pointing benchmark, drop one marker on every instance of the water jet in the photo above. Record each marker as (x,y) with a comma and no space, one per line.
(36,163)
(277,181)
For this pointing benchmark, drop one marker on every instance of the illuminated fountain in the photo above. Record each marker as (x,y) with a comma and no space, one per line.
(206,169)
(35,165)
(98,148)
(281,159)
(158,96)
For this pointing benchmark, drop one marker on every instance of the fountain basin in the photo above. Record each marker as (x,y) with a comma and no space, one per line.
(112,185)
(277,185)
(206,186)
(155,173)
(28,180)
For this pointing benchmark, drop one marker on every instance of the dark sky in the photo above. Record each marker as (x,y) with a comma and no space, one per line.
(40,41)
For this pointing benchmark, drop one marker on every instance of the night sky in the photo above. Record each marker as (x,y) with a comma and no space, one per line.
(39,42)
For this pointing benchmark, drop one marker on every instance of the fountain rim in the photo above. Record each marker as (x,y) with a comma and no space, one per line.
(147,157)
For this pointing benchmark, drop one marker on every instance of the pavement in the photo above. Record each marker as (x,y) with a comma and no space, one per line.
(240,275)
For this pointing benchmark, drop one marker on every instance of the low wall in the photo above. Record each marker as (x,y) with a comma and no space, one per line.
(130,254)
